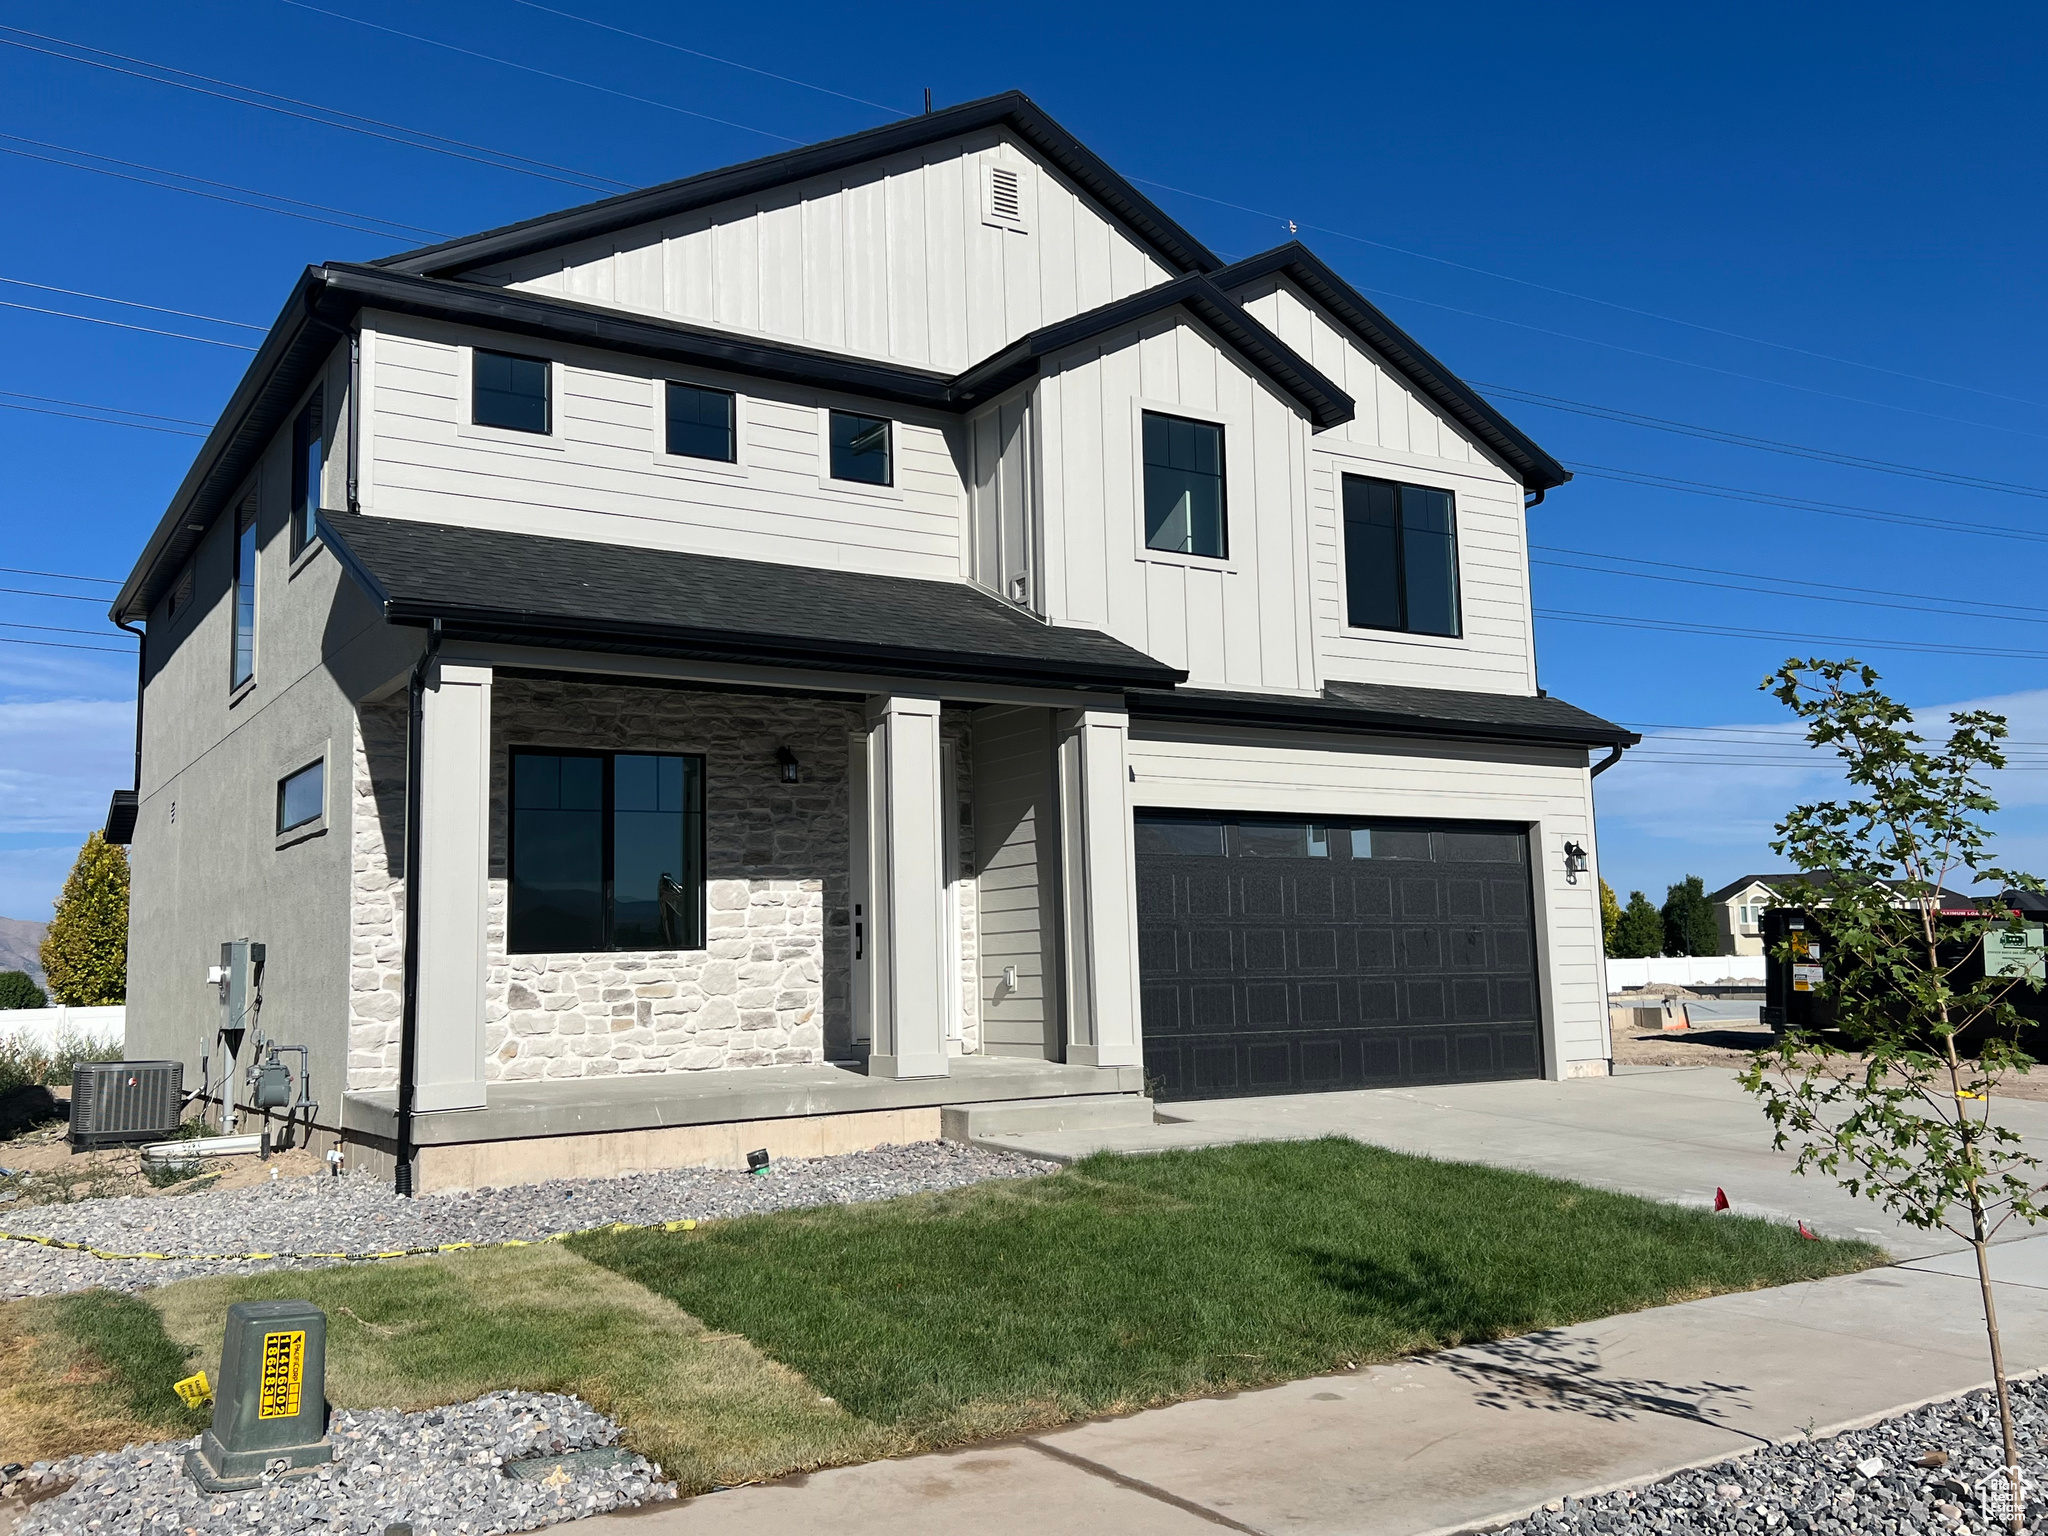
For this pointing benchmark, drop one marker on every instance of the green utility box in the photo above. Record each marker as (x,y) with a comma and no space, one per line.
(270,1400)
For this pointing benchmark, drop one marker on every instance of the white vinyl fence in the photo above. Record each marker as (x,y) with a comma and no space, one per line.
(47,1026)
(1676,971)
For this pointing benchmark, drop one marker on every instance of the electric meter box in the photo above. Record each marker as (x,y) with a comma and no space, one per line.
(270,1400)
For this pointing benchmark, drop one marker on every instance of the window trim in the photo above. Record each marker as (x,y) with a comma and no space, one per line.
(313,411)
(888,488)
(466,424)
(251,509)
(313,826)
(513,750)
(1401,563)
(1229,563)
(724,469)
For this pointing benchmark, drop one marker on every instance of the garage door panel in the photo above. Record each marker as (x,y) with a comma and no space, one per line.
(1282,955)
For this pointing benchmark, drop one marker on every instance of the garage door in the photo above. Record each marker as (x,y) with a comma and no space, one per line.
(1287,956)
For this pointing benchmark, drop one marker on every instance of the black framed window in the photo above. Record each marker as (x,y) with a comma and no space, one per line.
(1184,486)
(510,392)
(1400,557)
(860,449)
(607,851)
(242,663)
(700,423)
(309,458)
(302,796)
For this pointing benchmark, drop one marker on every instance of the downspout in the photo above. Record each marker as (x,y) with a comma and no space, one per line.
(409,1020)
(1612,758)
(355,417)
(141,659)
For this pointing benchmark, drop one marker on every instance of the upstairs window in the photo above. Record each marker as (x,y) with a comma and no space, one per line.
(1400,557)
(860,449)
(242,666)
(309,458)
(607,852)
(510,392)
(302,797)
(700,423)
(1184,486)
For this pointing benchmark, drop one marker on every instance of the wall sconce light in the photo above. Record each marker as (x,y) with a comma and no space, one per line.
(1574,863)
(791,768)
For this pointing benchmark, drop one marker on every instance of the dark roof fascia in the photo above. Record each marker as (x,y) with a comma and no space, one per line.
(1326,404)
(298,343)
(1359,315)
(1179,250)
(1324,715)
(459,622)
(351,288)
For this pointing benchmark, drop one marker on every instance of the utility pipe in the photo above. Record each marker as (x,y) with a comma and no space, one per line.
(206,1146)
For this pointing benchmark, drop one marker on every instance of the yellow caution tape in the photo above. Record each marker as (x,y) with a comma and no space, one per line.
(687,1225)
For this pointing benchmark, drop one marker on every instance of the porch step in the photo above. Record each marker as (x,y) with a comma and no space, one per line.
(1077,1112)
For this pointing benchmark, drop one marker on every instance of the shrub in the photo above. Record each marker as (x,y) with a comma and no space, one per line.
(85,954)
(18,990)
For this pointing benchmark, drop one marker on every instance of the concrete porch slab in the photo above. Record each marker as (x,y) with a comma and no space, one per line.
(664,1100)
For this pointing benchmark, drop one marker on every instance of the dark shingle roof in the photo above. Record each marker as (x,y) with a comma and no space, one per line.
(1788,882)
(1384,709)
(485,584)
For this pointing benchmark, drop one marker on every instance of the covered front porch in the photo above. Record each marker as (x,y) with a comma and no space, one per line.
(674,907)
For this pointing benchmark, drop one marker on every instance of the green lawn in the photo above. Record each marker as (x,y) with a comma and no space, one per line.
(1130,1281)
(775,1344)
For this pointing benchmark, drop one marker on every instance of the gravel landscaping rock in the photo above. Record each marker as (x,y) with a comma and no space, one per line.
(359,1213)
(1919,1473)
(443,1470)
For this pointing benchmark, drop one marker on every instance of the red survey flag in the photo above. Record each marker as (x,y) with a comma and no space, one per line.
(1720,1198)
(1806,1231)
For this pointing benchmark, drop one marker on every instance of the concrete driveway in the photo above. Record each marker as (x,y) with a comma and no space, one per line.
(1673,1134)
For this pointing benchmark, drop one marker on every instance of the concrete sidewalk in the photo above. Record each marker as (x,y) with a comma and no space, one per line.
(1672,1133)
(1447,1442)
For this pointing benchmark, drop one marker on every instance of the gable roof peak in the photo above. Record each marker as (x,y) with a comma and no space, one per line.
(1143,219)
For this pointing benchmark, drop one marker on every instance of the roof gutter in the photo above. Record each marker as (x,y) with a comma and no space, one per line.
(1312,715)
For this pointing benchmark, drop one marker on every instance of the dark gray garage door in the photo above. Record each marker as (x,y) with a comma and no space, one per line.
(1289,956)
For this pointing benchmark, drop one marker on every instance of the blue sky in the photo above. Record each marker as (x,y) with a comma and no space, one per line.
(1818,226)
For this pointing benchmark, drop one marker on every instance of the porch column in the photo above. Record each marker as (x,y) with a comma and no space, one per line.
(453,886)
(908,879)
(1099,890)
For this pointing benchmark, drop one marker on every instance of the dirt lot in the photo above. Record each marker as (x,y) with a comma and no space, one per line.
(38,1167)
(1730,1047)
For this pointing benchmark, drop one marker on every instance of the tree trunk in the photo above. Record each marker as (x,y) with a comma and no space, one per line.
(1981,1244)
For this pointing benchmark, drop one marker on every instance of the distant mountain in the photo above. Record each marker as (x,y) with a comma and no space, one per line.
(20,943)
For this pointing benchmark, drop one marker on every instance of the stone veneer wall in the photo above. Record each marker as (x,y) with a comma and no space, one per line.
(772,984)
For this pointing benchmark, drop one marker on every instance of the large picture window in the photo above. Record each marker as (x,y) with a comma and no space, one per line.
(1400,557)
(607,852)
(1184,486)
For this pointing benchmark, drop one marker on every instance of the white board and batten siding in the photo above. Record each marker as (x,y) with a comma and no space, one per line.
(1399,435)
(896,260)
(602,473)
(1549,790)
(1241,622)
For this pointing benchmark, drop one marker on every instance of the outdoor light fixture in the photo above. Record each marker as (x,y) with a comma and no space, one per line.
(1574,863)
(790,766)
(757,1160)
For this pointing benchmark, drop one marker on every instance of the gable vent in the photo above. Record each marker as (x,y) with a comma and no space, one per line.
(1006,197)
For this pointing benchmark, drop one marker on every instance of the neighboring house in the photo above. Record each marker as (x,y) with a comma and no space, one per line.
(895,624)
(1739,907)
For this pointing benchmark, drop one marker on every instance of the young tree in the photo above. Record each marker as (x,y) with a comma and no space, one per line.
(18,989)
(1610,918)
(85,953)
(1689,926)
(1640,933)
(1896,1105)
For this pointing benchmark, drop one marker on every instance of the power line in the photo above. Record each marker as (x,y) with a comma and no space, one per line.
(70,597)
(1810,597)
(1749,733)
(1673,626)
(1648,314)
(140,426)
(16,570)
(87,405)
(363,224)
(51,629)
(641,37)
(1924,597)
(122,325)
(502,160)
(80,293)
(1766,444)
(545,74)
(67,645)
(1799,503)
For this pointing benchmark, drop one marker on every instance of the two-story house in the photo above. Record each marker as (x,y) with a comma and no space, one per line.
(896,624)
